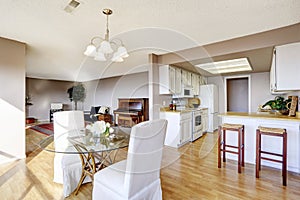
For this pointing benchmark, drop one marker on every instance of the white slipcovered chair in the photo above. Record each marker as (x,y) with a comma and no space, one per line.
(67,167)
(138,177)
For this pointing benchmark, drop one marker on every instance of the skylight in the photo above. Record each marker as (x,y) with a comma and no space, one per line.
(226,66)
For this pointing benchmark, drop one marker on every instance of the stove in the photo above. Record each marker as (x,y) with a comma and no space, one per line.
(196,124)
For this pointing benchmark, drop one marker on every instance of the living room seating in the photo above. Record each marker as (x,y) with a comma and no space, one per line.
(67,167)
(138,177)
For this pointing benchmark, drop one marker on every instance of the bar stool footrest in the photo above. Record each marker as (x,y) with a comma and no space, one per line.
(229,151)
(270,153)
(270,159)
(231,146)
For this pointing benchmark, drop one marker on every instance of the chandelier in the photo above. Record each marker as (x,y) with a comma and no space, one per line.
(104,48)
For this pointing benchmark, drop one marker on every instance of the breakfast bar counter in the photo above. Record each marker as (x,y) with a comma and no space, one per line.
(261,115)
(252,121)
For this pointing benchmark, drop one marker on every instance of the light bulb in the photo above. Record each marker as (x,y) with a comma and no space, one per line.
(90,50)
(106,47)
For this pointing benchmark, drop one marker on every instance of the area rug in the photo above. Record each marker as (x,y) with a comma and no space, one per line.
(46,129)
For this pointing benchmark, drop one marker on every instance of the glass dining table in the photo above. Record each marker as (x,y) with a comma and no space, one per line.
(95,151)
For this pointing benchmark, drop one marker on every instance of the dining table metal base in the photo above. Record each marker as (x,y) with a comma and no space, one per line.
(93,162)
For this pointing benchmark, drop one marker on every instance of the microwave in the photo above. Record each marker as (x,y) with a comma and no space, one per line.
(187,91)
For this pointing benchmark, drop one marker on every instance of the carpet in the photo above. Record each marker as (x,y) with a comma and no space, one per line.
(46,129)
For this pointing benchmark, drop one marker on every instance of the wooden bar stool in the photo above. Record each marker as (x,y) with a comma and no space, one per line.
(277,132)
(240,129)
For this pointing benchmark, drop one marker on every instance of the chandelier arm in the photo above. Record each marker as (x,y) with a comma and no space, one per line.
(113,44)
(96,37)
(117,39)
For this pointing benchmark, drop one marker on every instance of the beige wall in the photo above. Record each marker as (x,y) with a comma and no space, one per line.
(155,99)
(43,93)
(259,94)
(99,92)
(106,92)
(12,97)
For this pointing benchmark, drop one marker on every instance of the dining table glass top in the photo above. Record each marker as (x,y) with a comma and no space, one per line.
(70,141)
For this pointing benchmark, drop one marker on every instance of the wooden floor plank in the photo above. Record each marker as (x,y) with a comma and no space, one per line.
(189,172)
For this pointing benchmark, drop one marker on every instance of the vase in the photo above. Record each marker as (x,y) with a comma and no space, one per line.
(106,133)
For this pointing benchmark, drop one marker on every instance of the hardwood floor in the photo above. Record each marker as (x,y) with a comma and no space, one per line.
(188,173)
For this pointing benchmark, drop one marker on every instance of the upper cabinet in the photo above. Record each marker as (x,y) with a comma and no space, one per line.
(203,80)
(173,79)
(169,80)
(166,79)
(273,84)
(285,68)
(186,78)
(196,83)
(178,81)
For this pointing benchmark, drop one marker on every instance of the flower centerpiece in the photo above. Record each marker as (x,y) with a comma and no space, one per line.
(100,127)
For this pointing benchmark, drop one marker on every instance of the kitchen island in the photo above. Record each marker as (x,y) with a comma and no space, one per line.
(272,144)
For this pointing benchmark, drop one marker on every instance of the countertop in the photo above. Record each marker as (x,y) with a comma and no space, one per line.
(166,109)
(174,111)
(262,115)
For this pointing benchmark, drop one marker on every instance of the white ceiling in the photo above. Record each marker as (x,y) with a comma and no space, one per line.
(56,39)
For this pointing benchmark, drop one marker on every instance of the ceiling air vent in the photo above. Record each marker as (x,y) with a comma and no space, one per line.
(72,5)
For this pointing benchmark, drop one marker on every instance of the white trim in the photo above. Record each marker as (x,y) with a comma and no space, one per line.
(249,89)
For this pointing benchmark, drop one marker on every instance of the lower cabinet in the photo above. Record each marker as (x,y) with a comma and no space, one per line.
(179,130)
(185,128)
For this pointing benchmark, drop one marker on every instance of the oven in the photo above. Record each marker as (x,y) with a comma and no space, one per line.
(196,124)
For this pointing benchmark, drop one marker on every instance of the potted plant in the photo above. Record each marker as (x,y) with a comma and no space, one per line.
(279,104)
(77,94)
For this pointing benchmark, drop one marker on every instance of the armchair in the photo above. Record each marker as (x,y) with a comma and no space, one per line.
(138,177)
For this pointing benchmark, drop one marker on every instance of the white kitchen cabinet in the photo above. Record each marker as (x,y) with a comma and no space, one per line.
(195,83)
(166,79)
(185,127)
(285,68)
(189,78)
(186,78)
(202,80)
(179,129)
(178,80)
(273,88)
(169,80)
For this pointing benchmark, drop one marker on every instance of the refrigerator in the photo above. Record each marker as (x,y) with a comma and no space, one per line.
(209,97)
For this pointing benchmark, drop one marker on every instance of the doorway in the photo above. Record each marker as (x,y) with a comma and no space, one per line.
(237,94)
